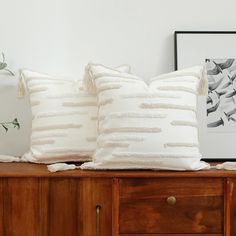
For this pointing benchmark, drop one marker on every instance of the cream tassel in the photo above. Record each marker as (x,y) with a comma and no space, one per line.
(88,80)
(61,167)
(226,166)
(21,86)
(203,83)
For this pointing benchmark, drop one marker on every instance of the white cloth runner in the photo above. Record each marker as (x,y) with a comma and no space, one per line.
(226,166)
(6,158)
(61,167)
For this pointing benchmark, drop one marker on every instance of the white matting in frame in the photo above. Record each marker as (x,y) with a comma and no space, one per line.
(192,48)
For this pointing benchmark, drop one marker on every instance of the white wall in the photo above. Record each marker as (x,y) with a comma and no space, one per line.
(61,36)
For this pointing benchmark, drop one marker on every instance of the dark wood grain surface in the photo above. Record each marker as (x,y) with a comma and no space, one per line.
(63,206)
(171,234)
(95,192)
(232,203)
(199,207)
(22,207)
(40,170)
(34,201)
(1,208)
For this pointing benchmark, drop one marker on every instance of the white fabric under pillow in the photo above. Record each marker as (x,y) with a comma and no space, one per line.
(147,126)
(64,125)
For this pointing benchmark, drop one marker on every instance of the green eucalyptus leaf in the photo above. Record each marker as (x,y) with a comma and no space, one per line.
(9,125)
(3,65)
(6,129)
(16,123)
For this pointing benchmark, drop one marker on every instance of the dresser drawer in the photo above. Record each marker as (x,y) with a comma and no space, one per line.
(171,206)
(171,235)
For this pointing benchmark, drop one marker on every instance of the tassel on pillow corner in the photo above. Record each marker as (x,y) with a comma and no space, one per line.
(203,83)
(88,81)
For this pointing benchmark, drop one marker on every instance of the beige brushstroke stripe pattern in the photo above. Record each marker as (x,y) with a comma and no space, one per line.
(151,95)
(105,102)
(43,142)
(66,150)
(184,123)
(177,74)
(38,90)
(132,130)
(94,118)
(34,103)
(109,87)
(72,157)
(91,139)
(46,78)
(167,106)
(69,95)
(123,138)
(179,81)
(45,84)
(113,145)
(177,88)
(60,113)
(166,145)
(136,115)
(79,104)
(58,126)
(105,81)
(112,77)
(37,136)
(33,83)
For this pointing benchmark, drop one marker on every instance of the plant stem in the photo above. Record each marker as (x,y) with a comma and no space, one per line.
(9,71)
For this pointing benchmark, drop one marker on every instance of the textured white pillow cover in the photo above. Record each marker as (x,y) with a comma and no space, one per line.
(64,125)
(147,126)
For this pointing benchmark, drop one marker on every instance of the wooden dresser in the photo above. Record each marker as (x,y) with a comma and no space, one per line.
(34,201)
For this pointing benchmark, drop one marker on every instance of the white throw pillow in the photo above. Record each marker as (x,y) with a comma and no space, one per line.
(147,126)
(64,125)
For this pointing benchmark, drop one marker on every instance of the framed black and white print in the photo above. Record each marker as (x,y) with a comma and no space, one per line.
(221,100)
(217,51)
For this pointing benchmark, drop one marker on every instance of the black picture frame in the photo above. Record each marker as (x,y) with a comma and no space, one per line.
(192,32)
(176,33)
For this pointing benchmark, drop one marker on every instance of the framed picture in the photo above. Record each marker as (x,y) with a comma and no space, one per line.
(217,51)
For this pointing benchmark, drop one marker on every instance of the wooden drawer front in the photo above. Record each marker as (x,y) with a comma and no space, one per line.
(171,235)
(198,209)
